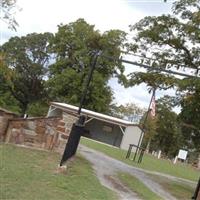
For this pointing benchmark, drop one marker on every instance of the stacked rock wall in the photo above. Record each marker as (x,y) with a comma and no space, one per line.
(4,120)
(46,133)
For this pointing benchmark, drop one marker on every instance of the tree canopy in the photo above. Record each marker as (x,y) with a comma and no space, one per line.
(129,111)
(172,42)
(168,135)
(7,8)
(42,67)
(23,67)
(53,67)
(74,45)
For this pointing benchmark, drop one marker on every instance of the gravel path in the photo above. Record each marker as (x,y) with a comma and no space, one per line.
(106,168)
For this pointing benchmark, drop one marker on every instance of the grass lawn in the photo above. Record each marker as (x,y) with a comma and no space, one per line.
(177,189)
(137,186)
(149,162)
(27,174)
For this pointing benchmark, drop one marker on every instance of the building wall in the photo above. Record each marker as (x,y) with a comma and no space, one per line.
(131,136)
(104,132)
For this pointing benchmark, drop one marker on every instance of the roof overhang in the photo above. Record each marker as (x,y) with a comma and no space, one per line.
(7,111)
(102,117)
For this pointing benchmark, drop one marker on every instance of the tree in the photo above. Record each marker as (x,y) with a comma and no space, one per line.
(25,63)
(172,42)
(8,9)
(190,115)
(6,99)
(128,111)
(149,125)
(168,137)
(73,46)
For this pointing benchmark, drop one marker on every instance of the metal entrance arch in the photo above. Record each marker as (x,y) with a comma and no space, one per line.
(78,127)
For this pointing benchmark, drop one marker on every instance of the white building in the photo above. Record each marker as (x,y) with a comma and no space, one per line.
(100,127)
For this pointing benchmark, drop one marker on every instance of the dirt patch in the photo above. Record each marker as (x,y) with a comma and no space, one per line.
(116,184)
(106,168)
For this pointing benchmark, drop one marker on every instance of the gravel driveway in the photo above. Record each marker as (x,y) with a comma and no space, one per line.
(107,167)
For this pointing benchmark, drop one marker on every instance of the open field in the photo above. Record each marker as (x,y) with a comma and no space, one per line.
(149,162)
(30,174)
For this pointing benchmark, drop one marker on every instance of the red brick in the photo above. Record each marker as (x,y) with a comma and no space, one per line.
(40,138)
(29,139)
(49,140)
(63,136)
(40,130)
(15,132)
(19,139)
(61,123)
(61,129)
(18,124)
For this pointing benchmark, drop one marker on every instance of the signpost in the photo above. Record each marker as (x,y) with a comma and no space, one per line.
(182,154)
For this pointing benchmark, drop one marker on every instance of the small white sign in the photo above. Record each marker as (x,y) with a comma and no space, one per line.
(182,154)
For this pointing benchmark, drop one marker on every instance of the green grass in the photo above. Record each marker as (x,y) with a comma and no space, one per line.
(137,186)
(177,189)
(149,162)
(30,174)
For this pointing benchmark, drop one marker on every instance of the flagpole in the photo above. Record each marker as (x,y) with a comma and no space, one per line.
(142,131)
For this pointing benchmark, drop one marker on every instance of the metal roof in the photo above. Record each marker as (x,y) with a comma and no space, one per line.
(92,114)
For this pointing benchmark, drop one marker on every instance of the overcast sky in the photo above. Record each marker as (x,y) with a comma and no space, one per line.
(44,15)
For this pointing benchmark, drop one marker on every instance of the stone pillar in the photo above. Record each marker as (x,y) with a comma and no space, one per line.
(64,128)
(3,127)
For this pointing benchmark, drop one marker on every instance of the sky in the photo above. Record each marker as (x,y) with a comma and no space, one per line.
(45,15)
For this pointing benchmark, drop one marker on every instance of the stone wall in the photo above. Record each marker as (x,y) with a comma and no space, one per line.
(64,128)
(47,133)
(4,119)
